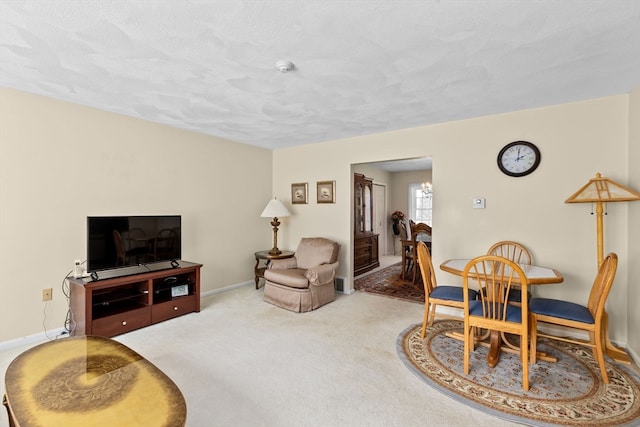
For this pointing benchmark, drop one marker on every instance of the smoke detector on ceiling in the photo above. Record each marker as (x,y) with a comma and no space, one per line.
(284,66)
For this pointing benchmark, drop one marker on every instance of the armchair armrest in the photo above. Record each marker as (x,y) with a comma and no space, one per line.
(283,264)
(321,274)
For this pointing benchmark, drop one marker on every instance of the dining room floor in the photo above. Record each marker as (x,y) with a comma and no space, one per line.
(385,261)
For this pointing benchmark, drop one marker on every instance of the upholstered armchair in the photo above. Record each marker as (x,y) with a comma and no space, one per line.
(306,281)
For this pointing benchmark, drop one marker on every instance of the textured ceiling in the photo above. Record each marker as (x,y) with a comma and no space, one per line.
(362,67)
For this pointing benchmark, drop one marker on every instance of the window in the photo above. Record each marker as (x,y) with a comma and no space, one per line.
(420,204)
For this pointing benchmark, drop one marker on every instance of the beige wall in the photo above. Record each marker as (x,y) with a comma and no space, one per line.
(576,140)
(633,300)
(61,162)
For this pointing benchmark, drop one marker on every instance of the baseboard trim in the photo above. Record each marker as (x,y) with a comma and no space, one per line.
(226,288)
(634,356)
(31,340)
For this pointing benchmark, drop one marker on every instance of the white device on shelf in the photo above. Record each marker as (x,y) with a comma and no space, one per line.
(179,291)
(78,271)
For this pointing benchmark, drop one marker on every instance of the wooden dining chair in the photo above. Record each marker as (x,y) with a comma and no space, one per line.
(137,246)
(434,294)
(407,253)
(419,231)
(165,245)
(118,242)
(590,318)
(517,253)
(511,250)
(496,276)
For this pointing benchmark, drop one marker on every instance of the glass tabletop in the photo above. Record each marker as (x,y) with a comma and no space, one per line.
(536,275)
(90,380)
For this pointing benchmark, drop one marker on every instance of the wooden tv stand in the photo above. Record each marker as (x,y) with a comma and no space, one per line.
(114,306)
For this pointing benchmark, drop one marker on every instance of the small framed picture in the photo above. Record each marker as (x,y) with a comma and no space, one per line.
(326,191)
(299,193)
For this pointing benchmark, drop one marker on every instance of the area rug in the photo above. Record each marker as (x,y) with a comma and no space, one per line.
(569,392)
(387,282)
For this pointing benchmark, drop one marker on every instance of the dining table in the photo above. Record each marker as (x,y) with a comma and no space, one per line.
(536,275)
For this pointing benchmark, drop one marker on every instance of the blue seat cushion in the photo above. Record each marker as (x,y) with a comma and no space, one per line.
(514,314)
(451,293)
(561,309)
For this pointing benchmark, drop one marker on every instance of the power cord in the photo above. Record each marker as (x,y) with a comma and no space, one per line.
(44,320)
(68,317)
(69,323)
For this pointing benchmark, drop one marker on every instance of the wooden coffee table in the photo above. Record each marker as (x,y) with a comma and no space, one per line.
(90,381)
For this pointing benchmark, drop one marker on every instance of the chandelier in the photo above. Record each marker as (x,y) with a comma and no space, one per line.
(427,189)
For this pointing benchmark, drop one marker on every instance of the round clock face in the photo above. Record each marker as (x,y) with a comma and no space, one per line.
(518,158)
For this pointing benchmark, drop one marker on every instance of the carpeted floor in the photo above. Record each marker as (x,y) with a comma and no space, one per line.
(569,392)
(387,282)
(246,363)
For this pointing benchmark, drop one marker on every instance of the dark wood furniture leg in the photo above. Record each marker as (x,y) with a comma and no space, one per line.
(256,272)
(9,414)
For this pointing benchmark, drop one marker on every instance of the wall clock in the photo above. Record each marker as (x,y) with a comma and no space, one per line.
(518,158)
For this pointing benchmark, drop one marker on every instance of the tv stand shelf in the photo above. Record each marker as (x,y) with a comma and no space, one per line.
(114,306)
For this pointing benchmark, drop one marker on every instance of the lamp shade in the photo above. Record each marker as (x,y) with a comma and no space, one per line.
(275,209)
(601,189)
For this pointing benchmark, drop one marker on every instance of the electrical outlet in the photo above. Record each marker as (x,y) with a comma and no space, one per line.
(47,294)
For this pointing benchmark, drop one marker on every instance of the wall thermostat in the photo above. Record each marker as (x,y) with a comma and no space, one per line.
(478,202)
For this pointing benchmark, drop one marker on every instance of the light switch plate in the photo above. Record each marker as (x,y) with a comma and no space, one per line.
(478,203)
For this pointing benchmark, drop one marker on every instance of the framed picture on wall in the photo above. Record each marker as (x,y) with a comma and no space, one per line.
(326,191)
(299,193)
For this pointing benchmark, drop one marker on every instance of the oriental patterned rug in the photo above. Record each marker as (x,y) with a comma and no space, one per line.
(387,282)
(569,392)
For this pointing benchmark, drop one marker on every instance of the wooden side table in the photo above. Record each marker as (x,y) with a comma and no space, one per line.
(267,257)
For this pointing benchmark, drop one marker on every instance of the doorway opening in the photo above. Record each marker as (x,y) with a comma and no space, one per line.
(392,181)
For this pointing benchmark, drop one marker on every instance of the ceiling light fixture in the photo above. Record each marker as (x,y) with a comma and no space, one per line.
(284,66)
(427,189)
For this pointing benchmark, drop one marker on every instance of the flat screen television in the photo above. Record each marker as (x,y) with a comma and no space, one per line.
(121,242)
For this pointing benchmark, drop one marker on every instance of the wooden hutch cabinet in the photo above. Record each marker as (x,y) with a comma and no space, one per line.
(365,241)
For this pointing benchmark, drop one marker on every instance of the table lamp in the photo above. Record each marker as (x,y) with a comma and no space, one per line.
(601,190)
(275,209)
